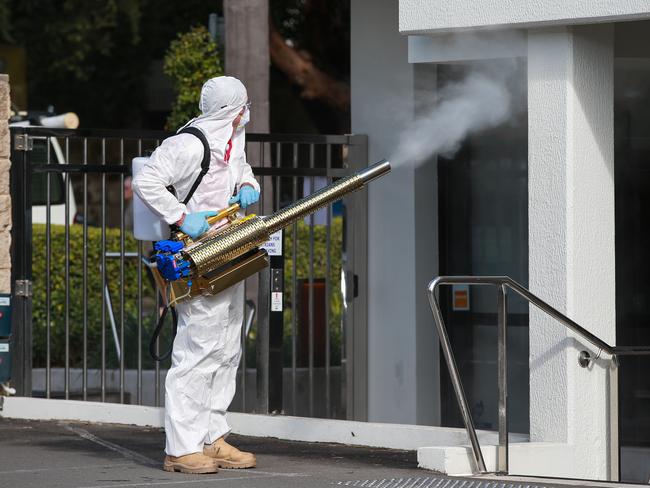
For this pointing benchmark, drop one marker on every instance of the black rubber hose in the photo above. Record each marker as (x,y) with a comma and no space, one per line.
(156,334)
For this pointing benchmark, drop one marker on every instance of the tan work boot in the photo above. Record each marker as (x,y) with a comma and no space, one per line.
(229,457)
(195,463)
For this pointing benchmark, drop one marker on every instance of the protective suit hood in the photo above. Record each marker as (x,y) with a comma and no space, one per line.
(221,100)
(222,97)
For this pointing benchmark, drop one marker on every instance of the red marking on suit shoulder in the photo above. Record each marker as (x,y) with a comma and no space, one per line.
(226,156)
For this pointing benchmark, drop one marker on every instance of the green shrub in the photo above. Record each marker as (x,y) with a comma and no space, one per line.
(191,60)
(94,297)
(320,271)
(94,294)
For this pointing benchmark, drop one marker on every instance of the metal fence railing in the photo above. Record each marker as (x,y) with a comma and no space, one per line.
(84,305)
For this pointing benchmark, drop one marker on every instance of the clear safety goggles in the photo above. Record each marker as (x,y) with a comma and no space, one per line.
(247,106)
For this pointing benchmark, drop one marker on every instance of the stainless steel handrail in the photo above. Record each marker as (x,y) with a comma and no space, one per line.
(502,283)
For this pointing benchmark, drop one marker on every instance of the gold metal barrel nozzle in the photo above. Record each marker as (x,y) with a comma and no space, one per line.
(374,171)
(325,196)
(246,236)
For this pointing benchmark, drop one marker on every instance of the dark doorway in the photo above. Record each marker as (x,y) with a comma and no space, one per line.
(483,201)
(632,173)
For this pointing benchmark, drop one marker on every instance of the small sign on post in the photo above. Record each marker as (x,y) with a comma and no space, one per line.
(274,245)
(276,301)
(460,298)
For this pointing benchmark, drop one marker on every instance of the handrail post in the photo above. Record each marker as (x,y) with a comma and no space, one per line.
(614,448)
(502,367)
(455,378)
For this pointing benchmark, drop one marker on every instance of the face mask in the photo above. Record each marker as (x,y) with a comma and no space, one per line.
(245,119)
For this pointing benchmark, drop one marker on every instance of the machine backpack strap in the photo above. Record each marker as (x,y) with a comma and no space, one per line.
(205,163)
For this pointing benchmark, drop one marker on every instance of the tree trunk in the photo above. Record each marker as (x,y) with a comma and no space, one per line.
(247,54)
(315,83)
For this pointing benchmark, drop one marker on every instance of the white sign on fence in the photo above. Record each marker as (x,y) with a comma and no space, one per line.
(274,245)
(276,301)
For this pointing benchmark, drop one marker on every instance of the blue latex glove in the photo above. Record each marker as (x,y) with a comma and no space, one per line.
(247,196)
(196,224)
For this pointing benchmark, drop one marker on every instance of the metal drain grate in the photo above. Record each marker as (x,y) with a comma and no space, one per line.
(432,482)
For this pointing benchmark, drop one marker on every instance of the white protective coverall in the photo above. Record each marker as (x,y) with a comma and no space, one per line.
(201,381)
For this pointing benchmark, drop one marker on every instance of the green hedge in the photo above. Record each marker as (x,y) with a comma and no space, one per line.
(320,271)
(94,296)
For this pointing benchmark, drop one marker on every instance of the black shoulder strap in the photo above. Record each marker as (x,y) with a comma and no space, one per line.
(205,164)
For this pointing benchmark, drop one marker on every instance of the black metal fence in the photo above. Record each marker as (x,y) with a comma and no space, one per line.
(84,304)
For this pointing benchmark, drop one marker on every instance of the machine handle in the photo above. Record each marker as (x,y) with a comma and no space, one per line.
(225,213)
(222,214)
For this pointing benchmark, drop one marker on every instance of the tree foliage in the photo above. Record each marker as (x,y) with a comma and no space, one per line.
(191,59)
(81,56)
(93,57)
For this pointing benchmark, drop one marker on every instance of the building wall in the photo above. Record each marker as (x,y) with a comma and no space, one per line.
(571,234)
(402,257)
(5,197)
(571,199)
(426,16)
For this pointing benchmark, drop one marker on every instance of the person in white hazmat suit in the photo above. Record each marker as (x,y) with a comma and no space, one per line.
(201,381)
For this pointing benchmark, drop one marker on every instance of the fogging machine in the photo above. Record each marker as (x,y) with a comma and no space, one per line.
(230,252)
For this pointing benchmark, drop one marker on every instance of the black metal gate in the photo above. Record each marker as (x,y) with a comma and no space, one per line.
(84,306)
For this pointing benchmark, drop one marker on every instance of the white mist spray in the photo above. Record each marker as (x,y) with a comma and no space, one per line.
(480,101)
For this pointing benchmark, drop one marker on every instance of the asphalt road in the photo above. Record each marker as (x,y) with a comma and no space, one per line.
(36,454)
(64,454)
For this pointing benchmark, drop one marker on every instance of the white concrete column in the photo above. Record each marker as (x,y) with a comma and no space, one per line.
(382,103)
(571,234)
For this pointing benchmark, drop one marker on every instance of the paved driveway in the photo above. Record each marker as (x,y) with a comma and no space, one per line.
(37,454)
(64,454)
